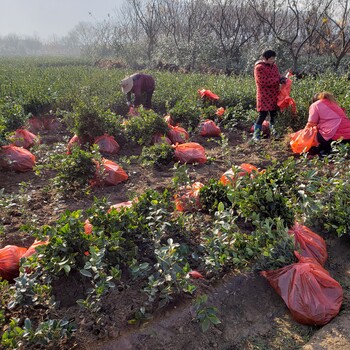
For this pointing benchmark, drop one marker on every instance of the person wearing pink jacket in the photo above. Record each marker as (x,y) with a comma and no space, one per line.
(331,121)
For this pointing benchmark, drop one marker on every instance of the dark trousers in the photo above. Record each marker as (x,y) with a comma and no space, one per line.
(148,102)
(324,145)
(263,115)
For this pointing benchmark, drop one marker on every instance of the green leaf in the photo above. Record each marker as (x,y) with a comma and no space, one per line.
(205,325)
(85,273)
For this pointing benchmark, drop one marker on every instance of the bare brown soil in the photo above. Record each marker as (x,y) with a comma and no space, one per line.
(252,315)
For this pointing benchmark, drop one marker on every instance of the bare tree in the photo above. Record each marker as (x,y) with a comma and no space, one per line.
(233,27)
(185,26)
(293,23)
(334,31)
(148,15)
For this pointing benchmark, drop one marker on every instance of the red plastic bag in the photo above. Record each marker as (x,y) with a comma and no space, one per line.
(113,174)
(190,152)
(311,244)
(119,206)
(177,134)
(208,94)
(32,249)
(158,138)
(187,198)
(133,112)
(265,128)
(220,111)
(34,124)
(209,128)
(24,138)
(107,144)
(169,120)
(245,169)
(50,122)
(88,227)
(304,139)
(16,158)
(10,256)
(284,100)
(75,140)
(310,293)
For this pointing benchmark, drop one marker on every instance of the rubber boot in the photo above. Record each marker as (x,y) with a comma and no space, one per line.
(257,132)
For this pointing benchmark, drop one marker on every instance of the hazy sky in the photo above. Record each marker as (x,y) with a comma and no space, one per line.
(44,18)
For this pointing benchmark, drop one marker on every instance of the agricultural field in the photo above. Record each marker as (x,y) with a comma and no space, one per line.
(162,251)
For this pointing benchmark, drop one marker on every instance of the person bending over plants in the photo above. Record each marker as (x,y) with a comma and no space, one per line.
(142,86)
(331,122)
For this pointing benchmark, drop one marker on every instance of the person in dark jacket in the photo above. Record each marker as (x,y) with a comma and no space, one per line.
(267,80)
(142,86)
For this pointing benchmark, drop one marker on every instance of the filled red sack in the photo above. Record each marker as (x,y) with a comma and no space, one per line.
(119,206)
(284,100)
(24,138)
(187,198)
(310,244)
(32,249)
(190,152)
(177,134)
(208,94)
(113,174)
(230,176)
(310,293)
(16,158)
(158,138)
(50,122)
(34,124)
(107,144)
(304,139)
(209,128)
(10,256)
(265,128)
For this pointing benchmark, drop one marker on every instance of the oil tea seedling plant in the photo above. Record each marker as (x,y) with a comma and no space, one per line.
(142,128)
(206,315)
(76,172)
(101,282)
(170,276)
(48,332)
(157,155)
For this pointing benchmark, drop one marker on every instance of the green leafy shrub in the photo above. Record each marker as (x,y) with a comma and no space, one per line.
(213,193)
(142,128)
(157,155)
(75,171)
(264,196)
(12,117)
(185,113)
(90,119)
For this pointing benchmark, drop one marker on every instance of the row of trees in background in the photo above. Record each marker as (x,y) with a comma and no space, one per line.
(228,35)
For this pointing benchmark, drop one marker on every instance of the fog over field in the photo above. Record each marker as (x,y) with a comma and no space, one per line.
(47,18)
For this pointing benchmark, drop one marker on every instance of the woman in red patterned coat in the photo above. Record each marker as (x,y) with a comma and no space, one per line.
(139,84)
(267,79)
